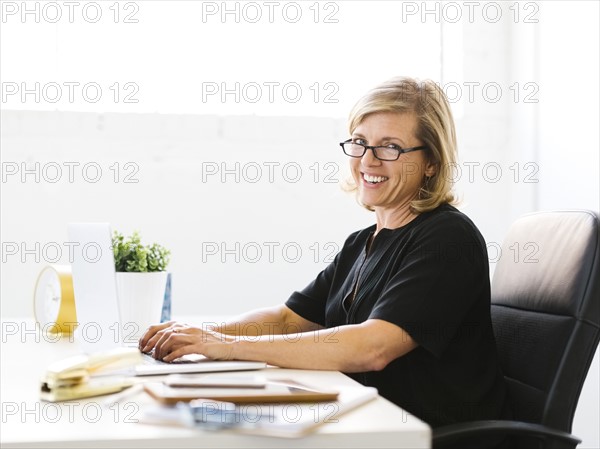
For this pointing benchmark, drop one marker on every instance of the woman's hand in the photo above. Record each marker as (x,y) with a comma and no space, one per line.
(144,343)
(171,340)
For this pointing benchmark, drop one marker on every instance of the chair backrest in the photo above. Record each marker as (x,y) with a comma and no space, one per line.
(546,312)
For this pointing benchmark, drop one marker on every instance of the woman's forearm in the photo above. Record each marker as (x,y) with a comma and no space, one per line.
(275,320)
(369,346)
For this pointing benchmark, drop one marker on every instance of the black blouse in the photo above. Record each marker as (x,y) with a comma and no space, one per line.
(431,278)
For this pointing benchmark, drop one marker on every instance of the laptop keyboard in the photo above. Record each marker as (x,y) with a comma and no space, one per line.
(149,360)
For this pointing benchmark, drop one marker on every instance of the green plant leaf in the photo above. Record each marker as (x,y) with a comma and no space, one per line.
(131,255)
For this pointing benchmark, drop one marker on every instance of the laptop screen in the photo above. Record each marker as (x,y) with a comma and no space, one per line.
(95,287)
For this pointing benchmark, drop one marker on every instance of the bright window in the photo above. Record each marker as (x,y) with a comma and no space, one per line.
(267,58)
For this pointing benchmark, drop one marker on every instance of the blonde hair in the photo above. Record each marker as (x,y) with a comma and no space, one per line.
(435,129)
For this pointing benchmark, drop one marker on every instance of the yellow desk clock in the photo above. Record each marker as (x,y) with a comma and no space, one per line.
(53,300)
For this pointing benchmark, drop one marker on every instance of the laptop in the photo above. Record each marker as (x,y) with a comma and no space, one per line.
(97,306)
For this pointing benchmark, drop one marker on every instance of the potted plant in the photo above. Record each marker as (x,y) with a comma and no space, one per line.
(141,283)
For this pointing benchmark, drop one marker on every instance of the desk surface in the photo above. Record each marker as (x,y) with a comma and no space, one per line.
(102,422)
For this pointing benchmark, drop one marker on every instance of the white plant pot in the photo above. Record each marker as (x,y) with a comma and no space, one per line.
(141,297)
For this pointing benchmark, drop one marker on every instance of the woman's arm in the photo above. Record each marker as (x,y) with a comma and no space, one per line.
(275,320)
(368,346)
(261,322)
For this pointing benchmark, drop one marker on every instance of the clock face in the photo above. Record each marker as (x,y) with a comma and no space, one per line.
(47,297)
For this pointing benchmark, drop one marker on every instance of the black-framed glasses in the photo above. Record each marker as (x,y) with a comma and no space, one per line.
(389,152)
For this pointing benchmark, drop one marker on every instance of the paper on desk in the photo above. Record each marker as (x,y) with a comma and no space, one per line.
(290,420)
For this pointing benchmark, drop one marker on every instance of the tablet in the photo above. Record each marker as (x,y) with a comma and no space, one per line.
(275,390)
(220,380)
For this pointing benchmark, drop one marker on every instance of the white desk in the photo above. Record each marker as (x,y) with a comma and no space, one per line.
(28,422)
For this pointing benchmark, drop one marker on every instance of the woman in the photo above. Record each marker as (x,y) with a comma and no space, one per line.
(405,305)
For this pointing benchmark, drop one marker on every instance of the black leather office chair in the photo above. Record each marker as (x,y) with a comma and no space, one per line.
(546,318)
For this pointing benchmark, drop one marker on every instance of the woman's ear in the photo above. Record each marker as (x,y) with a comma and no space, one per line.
(430,169)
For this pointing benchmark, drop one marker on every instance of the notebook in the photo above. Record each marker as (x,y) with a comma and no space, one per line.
(96,302)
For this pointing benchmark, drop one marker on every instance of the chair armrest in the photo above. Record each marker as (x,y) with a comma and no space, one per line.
(456,433)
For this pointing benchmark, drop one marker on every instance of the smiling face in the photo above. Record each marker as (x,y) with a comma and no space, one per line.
(389,186)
